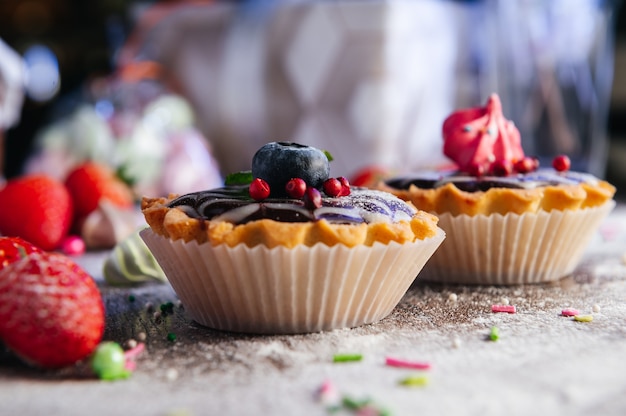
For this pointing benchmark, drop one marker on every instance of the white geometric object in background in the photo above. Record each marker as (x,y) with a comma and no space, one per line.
(310,55)
(352,79)
(362,113)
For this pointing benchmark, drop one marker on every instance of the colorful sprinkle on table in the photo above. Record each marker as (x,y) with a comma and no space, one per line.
(570,312)
(131,354)
(416,365)
(108,362)
(171,374)
(583,318)
(494,333)
(503,308)
(73,246)
(355,404)
(344,358)
(363,407)
(134,352)
(167,308)
(418,380)
(328,395)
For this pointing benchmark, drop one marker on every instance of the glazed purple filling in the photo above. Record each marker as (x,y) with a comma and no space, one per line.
(539,178)
(233,204)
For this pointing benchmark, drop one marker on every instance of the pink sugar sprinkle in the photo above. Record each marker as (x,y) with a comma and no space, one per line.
(570,312)
(73,245)
(132,353)
(368,411)
(130,356)
(328,393)
(503,308)
(416,365)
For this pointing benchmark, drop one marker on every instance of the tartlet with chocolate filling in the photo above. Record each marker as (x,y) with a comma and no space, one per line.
(457,193)
(508,221)
(285,248)
(230,216)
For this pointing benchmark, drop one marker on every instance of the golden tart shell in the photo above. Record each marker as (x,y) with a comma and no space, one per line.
(449,198)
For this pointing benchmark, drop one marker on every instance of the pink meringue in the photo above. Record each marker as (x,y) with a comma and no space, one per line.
(481,138)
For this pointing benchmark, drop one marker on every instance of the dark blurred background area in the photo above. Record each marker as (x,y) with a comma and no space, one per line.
(86,36)
(83,35)
(616,166)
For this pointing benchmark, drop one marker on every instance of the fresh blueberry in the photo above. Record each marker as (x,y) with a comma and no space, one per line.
(278,162)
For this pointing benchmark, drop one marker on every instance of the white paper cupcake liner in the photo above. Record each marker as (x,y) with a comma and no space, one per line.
(280,290)
(513,249)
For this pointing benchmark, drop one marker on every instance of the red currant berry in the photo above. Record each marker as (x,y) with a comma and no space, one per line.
(345,186)
(535,160)
(259,189)
(561,163)
(332,187)
(312,198)
(525,165)
(502,167)
(295,188)
(476,169)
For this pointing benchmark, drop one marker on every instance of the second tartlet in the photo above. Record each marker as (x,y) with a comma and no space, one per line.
(507,222)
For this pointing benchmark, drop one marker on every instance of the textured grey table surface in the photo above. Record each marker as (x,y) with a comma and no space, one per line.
(543,363)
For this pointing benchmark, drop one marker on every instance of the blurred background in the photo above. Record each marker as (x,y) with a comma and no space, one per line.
(179,93)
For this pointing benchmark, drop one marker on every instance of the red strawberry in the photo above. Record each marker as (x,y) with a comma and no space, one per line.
(51,312)
(36,208)
(14,248)
(91,182)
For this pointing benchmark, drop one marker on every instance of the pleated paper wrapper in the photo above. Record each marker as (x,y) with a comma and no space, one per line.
(282,291)
(513,249)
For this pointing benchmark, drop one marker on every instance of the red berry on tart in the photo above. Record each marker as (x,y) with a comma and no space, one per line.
(295,188)
(259,189)
(561,163)
(332,187)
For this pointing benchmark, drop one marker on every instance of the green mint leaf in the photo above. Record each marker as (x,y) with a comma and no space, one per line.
(239,178)
(328,155)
